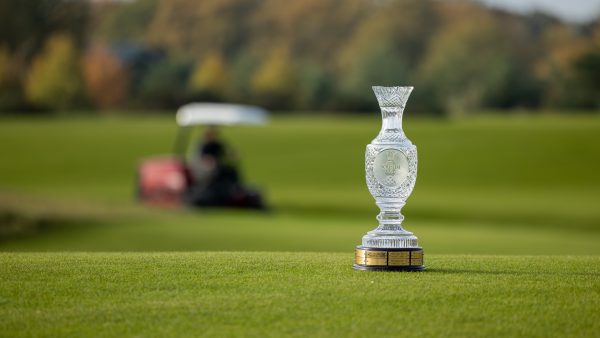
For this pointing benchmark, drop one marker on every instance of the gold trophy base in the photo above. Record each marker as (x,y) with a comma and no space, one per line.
(384,259)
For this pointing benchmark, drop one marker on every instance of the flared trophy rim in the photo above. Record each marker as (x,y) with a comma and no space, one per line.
(392,96)
(399,87)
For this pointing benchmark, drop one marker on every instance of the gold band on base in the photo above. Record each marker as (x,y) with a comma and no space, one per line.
(383,259)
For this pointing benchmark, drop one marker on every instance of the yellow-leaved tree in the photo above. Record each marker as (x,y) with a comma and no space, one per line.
(276,81)
(54,79)
(210,77)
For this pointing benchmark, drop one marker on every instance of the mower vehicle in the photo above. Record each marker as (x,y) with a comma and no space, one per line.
(202,179)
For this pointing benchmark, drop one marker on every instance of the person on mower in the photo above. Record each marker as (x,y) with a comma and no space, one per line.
(214,170)
(210,147)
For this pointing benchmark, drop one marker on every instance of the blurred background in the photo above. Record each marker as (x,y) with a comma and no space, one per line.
(505,114)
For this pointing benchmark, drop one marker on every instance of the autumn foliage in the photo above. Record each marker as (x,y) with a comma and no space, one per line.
(54,79)
(302,54)
(106,77)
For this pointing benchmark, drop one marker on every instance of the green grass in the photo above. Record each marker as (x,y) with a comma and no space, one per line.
(505,208)
(517,185)
(266,294)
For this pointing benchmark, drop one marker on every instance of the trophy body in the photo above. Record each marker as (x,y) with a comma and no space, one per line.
(391,173)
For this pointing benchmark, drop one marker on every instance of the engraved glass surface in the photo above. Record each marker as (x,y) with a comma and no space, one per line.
(391,171)
(390,167)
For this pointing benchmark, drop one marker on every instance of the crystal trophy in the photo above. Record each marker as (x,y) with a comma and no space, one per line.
(391,172)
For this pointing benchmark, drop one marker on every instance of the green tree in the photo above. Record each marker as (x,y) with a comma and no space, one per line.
(4,64)
(385,50)
(587,80)
(54,80)
(10,91)
(468,63)
(26,25)
(243,68)
(127,20)
(24,28)
(377,65)
(164,86)
(461,55)
(315,87)
(191,28)
(313,30)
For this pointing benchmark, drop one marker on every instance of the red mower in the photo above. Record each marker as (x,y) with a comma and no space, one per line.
(209,176)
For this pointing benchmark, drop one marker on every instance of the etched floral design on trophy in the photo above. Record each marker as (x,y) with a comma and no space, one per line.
(391,173)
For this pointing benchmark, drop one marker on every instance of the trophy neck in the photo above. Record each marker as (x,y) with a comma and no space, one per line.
(392,101)
(391,119)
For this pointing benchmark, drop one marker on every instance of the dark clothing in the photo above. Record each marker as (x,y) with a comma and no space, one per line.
(223,185)
(224,179)
(214,149)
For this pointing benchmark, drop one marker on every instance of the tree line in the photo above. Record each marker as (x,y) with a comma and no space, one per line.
(60,55)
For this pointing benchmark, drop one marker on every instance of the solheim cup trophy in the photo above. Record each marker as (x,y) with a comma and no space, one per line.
(391,172)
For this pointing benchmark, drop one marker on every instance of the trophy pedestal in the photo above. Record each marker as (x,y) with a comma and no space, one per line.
(388,259)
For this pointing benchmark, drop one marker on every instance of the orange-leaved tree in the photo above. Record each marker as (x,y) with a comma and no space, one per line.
(106,78)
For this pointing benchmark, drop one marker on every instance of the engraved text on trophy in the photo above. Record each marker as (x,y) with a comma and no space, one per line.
(390,167)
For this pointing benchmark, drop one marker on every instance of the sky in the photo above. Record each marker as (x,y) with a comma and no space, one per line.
(577,11)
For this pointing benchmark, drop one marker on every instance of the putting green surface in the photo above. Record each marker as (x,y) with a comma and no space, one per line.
(276,294)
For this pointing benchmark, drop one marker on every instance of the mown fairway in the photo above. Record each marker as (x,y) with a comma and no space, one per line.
(519,185)
(506,209)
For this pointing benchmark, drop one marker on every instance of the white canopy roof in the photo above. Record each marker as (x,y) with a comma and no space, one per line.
(220,114)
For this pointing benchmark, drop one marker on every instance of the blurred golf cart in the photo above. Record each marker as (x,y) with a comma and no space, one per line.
(205,177)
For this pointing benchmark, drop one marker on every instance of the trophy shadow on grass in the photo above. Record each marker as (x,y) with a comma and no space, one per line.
(507,272)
